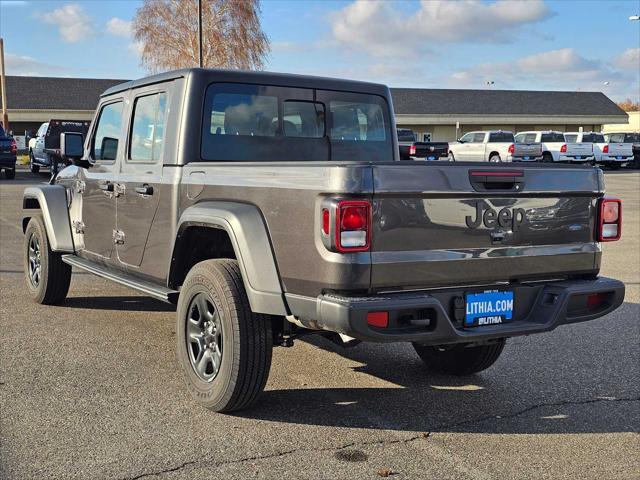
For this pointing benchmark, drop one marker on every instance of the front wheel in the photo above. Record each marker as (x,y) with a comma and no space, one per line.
(459,359)
(32,166)
(223,348)
(48,277)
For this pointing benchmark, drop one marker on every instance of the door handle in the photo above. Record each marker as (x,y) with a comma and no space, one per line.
(106,187)
(144,190)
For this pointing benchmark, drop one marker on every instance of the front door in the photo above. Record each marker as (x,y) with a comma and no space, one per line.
(141,175)
(100,188)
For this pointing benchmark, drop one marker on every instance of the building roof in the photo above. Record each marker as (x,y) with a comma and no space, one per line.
(55,93)
(422,101)
(61,93)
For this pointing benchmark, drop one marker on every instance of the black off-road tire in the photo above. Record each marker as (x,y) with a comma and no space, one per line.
(246,338)
(10,174)
(459,359)
(55,275)
(32,166)
(547,158)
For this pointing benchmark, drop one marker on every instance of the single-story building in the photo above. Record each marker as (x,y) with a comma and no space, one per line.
(438,114)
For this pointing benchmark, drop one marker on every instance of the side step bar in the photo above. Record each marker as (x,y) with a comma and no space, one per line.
(123,278)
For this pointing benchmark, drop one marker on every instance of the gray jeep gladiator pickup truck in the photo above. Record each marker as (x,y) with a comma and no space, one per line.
(270,206)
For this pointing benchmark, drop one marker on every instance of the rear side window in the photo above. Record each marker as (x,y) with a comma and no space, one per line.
(108,132)
(251,123)
(147,128)
(552,137)
(501,137)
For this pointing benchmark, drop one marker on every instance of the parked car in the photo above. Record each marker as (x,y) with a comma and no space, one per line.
(493,146)
(8,154)
(262,232)
(410,149)
(556,149)
(632,138)
(44,148)
(614,155)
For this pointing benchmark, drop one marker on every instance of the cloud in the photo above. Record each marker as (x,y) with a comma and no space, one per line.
(119,27)
(72,22)
(27,66)
(563,69)
(380,29)
(628,60)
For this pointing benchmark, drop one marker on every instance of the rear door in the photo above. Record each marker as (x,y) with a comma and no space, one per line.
(140,176)
(463,225)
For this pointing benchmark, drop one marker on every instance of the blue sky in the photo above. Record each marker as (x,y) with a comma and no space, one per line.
(536,44)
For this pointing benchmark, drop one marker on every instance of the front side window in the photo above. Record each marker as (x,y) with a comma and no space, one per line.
(108,132)
(467,138)
(147,128)
(478,138)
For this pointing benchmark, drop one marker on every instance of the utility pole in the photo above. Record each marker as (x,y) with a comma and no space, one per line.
(3,86)
(200,62)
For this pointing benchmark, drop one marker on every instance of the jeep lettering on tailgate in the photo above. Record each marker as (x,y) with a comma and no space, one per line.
(505,218)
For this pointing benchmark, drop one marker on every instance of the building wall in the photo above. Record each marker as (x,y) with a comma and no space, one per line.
(447,133)
(632,126)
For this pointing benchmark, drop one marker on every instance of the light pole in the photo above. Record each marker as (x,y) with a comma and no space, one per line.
(634,17)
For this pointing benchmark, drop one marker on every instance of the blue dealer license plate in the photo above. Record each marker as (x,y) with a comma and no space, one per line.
(431,158)
(618,158)
(488,308)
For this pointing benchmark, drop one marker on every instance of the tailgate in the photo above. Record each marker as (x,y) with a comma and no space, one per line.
(435,150)
(527,150)
(574,149)
(620,149)
(437,225)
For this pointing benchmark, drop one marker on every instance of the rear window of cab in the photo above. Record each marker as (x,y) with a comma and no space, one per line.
(249,123)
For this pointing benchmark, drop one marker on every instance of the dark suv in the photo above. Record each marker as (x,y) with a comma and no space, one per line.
(8,154)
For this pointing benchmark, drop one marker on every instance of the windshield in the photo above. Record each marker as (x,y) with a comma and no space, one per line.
(252,123)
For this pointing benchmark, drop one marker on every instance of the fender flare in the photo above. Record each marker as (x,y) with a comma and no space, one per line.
(52,203)
(250,240)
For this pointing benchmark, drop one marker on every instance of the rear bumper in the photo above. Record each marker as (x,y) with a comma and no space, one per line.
(608,159)
(573,158)
(7,161)
(437,317)
(528,159)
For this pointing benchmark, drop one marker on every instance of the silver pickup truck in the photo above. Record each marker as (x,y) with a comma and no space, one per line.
(270,206)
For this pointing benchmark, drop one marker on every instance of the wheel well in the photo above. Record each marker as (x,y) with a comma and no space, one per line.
(494,153)
(195,244)
(29,204)
(546,153)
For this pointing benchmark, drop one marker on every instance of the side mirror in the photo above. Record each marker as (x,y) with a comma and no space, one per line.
(72,149)
(460,140)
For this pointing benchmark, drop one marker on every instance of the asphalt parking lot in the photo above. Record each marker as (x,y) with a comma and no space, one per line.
(91,389)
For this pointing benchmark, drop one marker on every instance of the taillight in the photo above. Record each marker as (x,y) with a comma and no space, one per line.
(610,220)
(412,150)
(353,225)
(14,146)
(605,149)
(563,148)
(512,148)
(325,221)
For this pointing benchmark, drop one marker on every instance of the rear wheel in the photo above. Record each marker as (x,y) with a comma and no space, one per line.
(223,348)
(547,158)
(495,158)
(48,277)
(459,359)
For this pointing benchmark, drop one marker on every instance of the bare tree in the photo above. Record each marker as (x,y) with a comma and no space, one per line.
(231,34)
